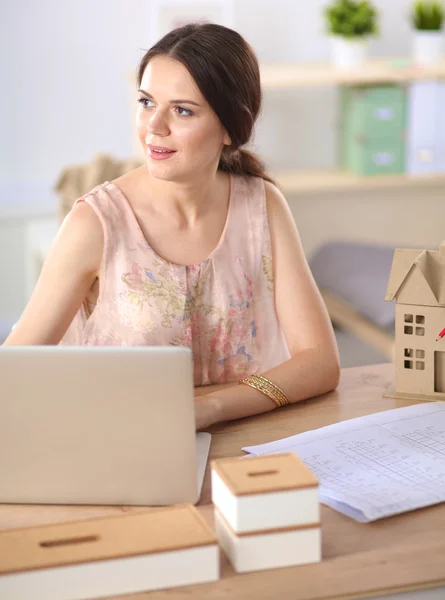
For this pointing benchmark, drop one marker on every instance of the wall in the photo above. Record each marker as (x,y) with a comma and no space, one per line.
(66,68)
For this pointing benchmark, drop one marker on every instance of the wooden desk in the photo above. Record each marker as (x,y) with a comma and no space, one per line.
(406,552)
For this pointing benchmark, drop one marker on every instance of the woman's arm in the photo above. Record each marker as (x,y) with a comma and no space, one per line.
(204,390)
(67,275)
(313,368)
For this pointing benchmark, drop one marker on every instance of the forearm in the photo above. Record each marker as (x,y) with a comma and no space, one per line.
(310,372)
(204,390)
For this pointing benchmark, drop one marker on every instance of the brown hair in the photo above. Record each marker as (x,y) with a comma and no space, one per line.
(226,71)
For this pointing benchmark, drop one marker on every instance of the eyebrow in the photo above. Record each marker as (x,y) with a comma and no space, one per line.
(171,101)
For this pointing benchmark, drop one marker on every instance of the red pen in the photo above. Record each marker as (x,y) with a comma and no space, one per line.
(441,334)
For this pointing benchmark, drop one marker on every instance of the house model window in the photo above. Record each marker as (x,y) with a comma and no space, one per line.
(409,354)
(408,329)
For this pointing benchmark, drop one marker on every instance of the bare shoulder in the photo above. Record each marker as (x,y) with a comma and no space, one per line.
(81,236)
(273,193)
(82,220)
(278,210)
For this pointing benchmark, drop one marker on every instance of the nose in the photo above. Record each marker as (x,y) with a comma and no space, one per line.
(158,124)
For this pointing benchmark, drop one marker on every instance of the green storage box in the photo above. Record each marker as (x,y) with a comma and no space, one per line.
(373,112)
(375,157)
(372,129)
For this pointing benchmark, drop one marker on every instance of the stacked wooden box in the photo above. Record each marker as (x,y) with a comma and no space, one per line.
(102,557)
(267,511)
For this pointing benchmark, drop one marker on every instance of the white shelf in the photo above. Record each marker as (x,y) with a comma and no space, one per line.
(314,181)
(389,70)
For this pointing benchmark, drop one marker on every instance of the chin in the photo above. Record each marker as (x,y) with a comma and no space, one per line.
(165,173)
(158,172)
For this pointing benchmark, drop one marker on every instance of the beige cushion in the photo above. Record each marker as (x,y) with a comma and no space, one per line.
(77,180)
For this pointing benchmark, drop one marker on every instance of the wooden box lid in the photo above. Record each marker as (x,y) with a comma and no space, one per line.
(263,474)
(160,530)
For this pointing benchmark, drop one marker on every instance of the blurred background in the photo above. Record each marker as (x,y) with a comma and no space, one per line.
(67,106)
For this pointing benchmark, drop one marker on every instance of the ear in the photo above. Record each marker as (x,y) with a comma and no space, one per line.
(226,139)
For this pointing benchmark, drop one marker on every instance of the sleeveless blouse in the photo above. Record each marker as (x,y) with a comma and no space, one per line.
(223,308)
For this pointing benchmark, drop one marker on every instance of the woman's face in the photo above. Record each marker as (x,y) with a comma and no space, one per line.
(179,131)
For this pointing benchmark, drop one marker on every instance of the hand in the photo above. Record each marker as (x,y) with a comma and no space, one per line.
(206,411)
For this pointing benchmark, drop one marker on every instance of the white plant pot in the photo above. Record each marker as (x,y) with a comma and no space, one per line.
(427,47)
(348,53)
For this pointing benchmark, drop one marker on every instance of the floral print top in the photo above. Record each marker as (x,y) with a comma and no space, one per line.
(222,308)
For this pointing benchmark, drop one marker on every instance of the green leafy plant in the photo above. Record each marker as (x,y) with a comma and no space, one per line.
(427,16)
(351,19)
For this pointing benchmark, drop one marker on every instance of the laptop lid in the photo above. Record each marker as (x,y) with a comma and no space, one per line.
(97,425)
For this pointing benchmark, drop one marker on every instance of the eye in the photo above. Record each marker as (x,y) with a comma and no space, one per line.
(144,102)
(183,112)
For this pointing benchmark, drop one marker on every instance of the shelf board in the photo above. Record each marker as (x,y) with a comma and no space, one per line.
(316,181)
(389,70)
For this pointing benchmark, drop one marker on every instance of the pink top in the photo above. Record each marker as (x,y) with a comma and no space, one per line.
(222,308)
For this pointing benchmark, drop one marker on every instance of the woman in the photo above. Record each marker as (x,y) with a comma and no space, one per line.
(197,247)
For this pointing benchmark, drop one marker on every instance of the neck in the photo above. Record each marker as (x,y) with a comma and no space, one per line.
(187,201)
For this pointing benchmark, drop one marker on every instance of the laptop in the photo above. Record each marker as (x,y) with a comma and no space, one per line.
(99,425)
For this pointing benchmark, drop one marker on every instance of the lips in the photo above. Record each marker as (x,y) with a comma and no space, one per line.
(160,152)
(160,149)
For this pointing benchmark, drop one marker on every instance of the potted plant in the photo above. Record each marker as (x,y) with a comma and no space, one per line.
(350,25)
(427,19)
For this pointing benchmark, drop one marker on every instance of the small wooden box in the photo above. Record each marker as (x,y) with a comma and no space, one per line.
(103,557)
(269,549)
(265,492)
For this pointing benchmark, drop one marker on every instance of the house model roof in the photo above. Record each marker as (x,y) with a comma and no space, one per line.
(426,267)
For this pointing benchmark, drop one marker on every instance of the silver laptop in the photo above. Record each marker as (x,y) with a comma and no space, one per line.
(98,425)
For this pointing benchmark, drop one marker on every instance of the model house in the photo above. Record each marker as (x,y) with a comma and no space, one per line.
(417,283)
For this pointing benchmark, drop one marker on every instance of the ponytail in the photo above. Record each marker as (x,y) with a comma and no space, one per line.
(243,162)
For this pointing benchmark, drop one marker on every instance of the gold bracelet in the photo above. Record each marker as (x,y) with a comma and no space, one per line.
(268,388)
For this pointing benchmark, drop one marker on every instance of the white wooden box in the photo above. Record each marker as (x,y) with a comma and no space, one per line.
(269,549)
(163,548)
(265,492)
